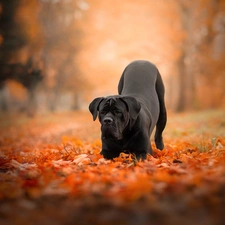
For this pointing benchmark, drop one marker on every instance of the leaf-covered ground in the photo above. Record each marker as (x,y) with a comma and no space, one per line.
(51,172)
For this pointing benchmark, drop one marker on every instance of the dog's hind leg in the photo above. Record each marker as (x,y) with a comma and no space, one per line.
(161,123)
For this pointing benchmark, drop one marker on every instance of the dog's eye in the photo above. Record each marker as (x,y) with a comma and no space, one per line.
(102,112)
(117,112)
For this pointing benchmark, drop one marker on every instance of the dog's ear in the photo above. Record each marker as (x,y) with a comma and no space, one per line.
(133,107)
(94,105)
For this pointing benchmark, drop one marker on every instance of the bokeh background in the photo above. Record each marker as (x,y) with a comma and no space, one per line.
(57,55)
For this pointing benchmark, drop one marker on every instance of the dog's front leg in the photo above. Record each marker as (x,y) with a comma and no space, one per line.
(139,145)
(110,150)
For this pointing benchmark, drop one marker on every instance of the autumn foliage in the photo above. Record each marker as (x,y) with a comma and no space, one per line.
(51,170)
(81,47)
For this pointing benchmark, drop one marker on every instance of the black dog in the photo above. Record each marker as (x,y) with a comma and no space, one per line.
(128,119)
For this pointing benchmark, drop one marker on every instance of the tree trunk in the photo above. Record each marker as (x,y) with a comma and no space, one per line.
(181,102)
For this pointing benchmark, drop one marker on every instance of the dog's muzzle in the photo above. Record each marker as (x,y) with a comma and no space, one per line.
(109,128)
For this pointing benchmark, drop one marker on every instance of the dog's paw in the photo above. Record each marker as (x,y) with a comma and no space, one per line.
(159,144)
(107,154)
(139,155)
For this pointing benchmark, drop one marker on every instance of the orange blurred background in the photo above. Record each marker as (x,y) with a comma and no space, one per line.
(80,48)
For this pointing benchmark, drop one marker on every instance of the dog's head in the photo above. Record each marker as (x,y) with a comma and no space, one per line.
(115,113)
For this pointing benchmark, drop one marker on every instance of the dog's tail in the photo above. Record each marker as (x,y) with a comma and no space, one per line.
(161,123)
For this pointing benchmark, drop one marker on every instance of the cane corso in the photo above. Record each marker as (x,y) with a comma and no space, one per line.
(128,119)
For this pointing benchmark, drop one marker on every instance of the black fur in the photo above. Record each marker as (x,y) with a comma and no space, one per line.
(128,119)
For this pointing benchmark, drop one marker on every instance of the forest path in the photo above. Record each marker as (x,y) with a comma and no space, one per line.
(51,172)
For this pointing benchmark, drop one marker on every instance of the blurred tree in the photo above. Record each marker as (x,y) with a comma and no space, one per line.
(185,80)
(196,64)
(10,31)
(42,37)
(62,42)
(211,54)
(17,60)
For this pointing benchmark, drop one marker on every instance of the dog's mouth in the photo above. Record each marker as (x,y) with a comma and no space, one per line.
(110,131)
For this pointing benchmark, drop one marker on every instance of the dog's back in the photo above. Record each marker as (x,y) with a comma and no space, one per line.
(139,80)
(141,75)
(142,80)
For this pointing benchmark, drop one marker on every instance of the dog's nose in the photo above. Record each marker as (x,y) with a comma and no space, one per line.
(107,120)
